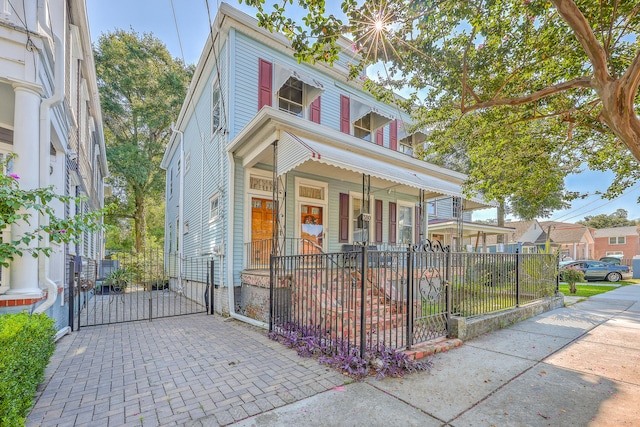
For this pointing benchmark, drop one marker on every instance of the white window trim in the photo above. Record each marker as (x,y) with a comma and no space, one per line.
(412,206)
(356,195)
(624,240)
(298,182)
(249,193)
(614,253)
(215,196)
(304,107)
(215,86)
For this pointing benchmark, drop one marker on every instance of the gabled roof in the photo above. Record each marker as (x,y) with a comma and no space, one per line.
(524,232)
(564,232)
(631,230)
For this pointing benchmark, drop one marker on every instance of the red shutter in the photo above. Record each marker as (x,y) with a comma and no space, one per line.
(380,136)
(378,221)
(418,225)
(264,83)
(314,110)
(345,113)
(392,223)
(393,135)
(343,215)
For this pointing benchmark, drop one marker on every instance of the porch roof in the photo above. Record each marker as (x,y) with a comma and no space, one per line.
(305,146)
(469,228)
(297,150)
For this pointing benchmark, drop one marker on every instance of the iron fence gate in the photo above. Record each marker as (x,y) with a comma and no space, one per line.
(130,287)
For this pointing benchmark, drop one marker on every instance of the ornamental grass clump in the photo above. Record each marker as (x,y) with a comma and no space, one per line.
(26,344)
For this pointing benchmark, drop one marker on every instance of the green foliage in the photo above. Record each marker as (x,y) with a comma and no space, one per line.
(586,290)
(26,344)
(571,276)
(141,92)
(118,280)
(518,94)
(616,219)
(496,273)
(23,206)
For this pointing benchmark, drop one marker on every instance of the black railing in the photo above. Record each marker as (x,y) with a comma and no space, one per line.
(398,298)
(257,252)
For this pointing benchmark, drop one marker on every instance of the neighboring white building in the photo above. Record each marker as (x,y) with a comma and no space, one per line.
(50,117)
(269,150)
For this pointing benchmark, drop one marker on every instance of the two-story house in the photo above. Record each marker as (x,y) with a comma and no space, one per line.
(623,242)
(50,118)
(274,156)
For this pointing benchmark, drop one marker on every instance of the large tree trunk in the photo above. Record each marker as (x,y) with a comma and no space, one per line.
(619,115)
(140,222)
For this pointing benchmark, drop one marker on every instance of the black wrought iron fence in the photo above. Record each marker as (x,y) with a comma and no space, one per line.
(399,298)
(136,286)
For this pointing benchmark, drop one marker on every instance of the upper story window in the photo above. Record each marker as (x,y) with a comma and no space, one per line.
(290,97)
(620,240)
(293,91)
(363,118)
(408,140)
(457,207)
(431,208)
(216,108)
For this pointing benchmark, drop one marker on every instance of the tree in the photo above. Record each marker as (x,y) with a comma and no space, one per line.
(532,89)
(141,92)
(616,219)
(21,206)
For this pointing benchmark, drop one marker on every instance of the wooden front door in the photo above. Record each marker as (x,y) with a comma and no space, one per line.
(261,230)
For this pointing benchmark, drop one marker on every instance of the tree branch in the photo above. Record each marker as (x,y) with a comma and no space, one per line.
(560,87)
(570,13)
(630,81)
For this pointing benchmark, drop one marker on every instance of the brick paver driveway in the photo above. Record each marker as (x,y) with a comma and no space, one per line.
(172,371)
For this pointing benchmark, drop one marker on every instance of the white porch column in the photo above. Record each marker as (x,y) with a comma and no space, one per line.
(26,131)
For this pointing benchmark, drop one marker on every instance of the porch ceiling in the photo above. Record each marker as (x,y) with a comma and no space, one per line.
(470,229)
(300,153)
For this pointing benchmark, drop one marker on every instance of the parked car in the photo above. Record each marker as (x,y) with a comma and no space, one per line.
(597,270)
(611,260)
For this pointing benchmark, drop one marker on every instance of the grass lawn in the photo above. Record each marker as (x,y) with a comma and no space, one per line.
(587,290)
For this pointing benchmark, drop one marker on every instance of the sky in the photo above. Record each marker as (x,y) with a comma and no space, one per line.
(187,40)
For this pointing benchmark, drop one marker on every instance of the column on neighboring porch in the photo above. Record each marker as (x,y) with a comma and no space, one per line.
(26,129)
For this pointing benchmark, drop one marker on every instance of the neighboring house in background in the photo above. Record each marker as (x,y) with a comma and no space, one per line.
(267,150)
(50,117)
(574,241)
(526,237)
(617,241)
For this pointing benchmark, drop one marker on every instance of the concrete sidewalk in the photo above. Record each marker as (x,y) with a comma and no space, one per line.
(575,366)
(578,365)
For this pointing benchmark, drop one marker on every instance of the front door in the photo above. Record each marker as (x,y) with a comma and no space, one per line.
(311,228)
(261,230)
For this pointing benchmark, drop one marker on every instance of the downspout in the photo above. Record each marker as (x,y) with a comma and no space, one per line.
(180,231)
(229,249)
(45,142)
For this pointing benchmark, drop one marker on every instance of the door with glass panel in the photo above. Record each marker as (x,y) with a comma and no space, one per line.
(311,228)
(261,231)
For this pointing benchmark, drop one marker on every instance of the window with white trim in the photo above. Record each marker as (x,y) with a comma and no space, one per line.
(362,128)
(619,240)
(216,108)
(615,253)
(406,145)
(405,223)
(290,97)
(431,208)
(214,207)
(358,232)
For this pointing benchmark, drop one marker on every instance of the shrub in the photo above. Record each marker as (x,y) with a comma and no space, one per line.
(496,273)
(571,276)
(26,344)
